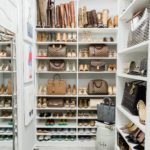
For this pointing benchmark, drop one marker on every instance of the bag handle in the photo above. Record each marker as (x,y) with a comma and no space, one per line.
(108,101)
(98,86)
(99,47)
(56,76)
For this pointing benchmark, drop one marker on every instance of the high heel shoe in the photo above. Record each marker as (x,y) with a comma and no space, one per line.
(110,23)
(74,37)
(9,87)
(69,53)
(67,66)
(69,89)
(44,104)
(72,104)
(110,90)
(73,66)
(64,39)
(86,67)
(114,90)
(73,53)
(69,39)
(39,103)
(67,104)
(74,90)
(58,37)
(142,111)
(2,89)
(81,67)
(115,21)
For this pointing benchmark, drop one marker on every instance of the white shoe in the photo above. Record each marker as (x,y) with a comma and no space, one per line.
(110,90)
(114,90)
(67,66)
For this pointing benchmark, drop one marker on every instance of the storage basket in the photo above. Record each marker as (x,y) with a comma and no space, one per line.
(140,33)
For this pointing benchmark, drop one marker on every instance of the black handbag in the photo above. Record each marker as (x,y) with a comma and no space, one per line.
(133,92)
(106,111)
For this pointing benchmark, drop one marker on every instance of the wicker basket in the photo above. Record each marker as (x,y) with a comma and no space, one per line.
(141,33)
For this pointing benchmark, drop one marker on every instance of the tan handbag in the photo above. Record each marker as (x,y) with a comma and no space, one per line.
(94,102)
(55,103)
(57,65)
(56,86)
(97,65)
(56,51)
(98,51)
(97,87)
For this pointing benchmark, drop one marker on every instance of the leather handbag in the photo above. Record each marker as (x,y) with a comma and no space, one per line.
(57,65)
(97,87)
(143,67)
(133,92)
(94,102)
(98,51)
(56,86)
(55,103)
(97,65)
(106,111)
(56,51)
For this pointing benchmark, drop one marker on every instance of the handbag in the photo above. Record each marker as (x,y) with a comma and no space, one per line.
(56,51)
(57,65)
(139,27)
(133,92)
(56,86)
(98,51)
(55,103)
(143,67)
(97,65)
(94,102)
(105,137)
(97,86)
(106,111)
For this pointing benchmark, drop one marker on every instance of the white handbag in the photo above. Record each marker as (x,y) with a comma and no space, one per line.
(94,102)
(105,138)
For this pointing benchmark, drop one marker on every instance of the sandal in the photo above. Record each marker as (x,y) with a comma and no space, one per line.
(142,111)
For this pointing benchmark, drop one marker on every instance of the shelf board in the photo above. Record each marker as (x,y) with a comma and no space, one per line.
(98,72)
(55,72)
(56,29)
(56,95)
(5,108)
(5,95)
(6,126)
(48,43)
(142,48)
(6,58)
(87,108)
(89,43)
(56,118)
(48,58)
(5,117)
(90,127)
(98,96)
(6,43)
(135,77)
(56,133)
(6,133)
(134,119)
(124,135)
(7,71)
(56,108)
(87,118)
(55,126)
(105,58)
(135,6)
(99,30)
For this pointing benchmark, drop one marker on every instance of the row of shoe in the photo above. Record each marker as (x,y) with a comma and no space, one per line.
(57,114)
(6,137)
(87,138)
(5,66)
(57,131)
(107,67)
(5,53)
(43,53)
(5,113)
(6,89)
(87,131)
(135,135)
(50,15)
(56,138)
(5,103)
(88,36)
(92,19)
(52,65)
(44,103)
(86,123)
(5,130)
(86,114)
(84,52)
(56,37)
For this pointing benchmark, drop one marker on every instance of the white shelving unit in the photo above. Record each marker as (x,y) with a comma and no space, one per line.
(126,55)
(79,78)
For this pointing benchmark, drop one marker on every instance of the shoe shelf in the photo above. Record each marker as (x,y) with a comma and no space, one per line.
(134,119)
(57,118)
(56,108)
(56,29)
(87,108)
(101,58)
(48,58)
(124,135)
(56,126)
(134,6)
(70,134)
(60,72)
(135,49)
(135,77)
(99,30)
(90,43)
(56,95)
(64,43)
(97,96)
(100,72)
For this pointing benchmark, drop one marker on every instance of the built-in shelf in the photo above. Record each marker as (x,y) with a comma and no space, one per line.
(134,119)
(48,58)
(56,29)
(99,58)
(56,95)
(99,30)
(55,72)
(98,72)
(56,108)
(89,43)
(49,43)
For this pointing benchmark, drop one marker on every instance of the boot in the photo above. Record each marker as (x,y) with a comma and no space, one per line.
(85,19)
(94,18)
(105,16)
(80,18)
(67,15)
(39,21)
(9,87)
(72,14)
(48,13)
(58,17)
(53,14)
(42,10)
(89,19)
(110,23)
(115,21)
(100,22)
(62,12)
